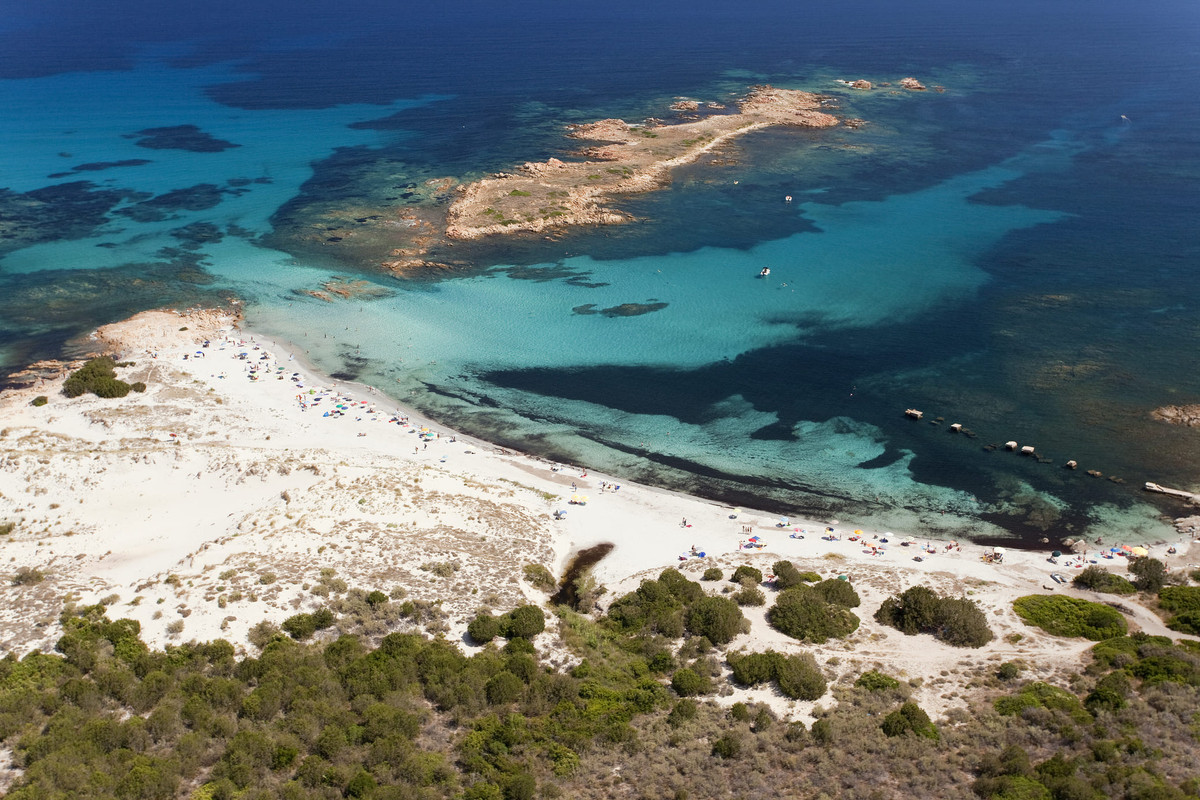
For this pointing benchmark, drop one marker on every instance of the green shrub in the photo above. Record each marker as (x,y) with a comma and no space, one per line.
(713,574)
(751,669)
(1008,671)
(483,628)
(802,613)
(503,688)
(1042,695)
(524,622)
(1099,579)
(800,678)
(1149,574)
(909,718)
(822,731)
(1187,622)
(98,376)
(1109,694)
(323,618)
(875,681)
(1180,599)
(744,572)
(1067,616)
(750,596)
(687,683)
(540,577)
(786,575)
(300,626)
(837,592)
(682,712)
(376,598)
(40,400)
(717,619)
(728,746)
(956,621)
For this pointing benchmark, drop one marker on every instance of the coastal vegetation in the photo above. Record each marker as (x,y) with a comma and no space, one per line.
(955,621)
(1099,579)
(816,613)
(98,376)
(1068,616)
(338,714)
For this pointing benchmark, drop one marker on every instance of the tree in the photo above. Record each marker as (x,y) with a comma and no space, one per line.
(483,628)
(1149,574)
(802,613)
(745,572)
(687,682)
(909,718)
(786,575)
(718,619)
(524,622)
(800,678)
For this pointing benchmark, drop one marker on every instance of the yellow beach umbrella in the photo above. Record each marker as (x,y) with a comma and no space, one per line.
(1140,552)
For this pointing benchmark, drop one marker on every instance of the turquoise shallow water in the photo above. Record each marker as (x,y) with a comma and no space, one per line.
(1017,254)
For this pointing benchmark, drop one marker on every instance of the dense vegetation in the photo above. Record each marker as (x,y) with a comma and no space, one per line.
(99,377)
(336,714)
(816,613)
(956,621)
(1067,616)
(1099,579)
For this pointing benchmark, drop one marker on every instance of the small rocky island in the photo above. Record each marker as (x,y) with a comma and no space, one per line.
(621,158)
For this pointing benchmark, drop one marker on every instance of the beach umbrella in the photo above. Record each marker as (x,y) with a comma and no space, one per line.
(858,533)
(1056,554)
(1126,548)
(1140,552)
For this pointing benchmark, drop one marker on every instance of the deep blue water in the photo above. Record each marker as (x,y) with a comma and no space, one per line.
(1018,253)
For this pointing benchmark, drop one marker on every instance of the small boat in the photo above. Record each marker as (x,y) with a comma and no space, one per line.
(1058,577)
(764,272)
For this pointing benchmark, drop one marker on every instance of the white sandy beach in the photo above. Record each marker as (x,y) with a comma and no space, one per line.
(216,498)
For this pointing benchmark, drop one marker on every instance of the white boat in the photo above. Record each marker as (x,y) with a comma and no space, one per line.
(764,272)
(1058,577)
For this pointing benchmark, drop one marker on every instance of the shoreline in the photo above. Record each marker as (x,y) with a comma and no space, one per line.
(220,497)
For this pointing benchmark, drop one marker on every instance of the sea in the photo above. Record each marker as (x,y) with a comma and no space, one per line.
(1016,251)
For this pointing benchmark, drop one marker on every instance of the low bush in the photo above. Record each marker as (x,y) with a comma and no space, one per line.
(1098,579)
(713,574)
(909,718)
(40,400)
(523,622)
(875,681)
(1067,616)
(688,683)
(540,577)
(750,596)
(1180,599)
(483,628)
(797,676)
(717,619)
(956,621)
(803,613)
(27,576)
(1042,695)
(786,575)
(744,572)
(800,678)
(99,377)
